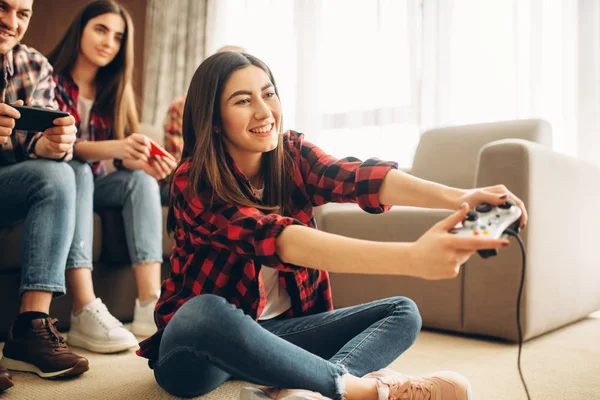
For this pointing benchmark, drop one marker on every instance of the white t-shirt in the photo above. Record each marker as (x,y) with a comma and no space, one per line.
(84,108)
(278,299)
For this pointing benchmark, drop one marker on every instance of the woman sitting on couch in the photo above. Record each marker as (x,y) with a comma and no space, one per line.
(93,66)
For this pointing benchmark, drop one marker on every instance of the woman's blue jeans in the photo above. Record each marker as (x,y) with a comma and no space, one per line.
(136,194)
(209,340)
(42,194)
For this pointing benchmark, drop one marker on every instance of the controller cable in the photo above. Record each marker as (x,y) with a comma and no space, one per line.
(513,233)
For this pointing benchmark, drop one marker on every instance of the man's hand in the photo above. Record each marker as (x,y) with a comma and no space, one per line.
(58,140)
(7,120)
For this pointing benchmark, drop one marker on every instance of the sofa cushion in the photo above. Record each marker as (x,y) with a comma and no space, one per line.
(10,239)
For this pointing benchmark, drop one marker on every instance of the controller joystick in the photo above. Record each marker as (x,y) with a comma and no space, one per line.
(483,208)
(507,205)
(471,216)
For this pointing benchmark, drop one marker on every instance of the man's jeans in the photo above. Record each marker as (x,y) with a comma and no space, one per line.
(42,193)
(136,194)
(209,340)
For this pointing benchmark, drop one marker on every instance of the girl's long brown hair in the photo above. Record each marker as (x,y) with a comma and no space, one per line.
(115,96)
(206,150)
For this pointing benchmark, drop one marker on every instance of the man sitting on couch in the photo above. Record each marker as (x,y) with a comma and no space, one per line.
(38,188)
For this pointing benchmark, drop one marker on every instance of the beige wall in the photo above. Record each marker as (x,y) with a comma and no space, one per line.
(52,17)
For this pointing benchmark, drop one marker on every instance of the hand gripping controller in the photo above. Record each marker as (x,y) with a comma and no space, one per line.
(489,221)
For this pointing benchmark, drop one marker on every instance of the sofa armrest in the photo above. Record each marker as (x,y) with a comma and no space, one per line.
(400,224)
(562,284)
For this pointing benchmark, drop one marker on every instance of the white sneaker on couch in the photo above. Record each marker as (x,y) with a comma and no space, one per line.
(94,328)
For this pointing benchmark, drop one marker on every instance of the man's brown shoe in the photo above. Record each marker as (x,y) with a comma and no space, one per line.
(42,350)
(5,379)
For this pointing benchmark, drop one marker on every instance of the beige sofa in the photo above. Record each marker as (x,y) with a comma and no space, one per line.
(563,269)
(563,274)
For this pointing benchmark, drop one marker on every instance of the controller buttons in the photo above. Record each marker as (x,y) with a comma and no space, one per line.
(485,232)
(476,233)
(471,215)
(482,227)
(484,207)
(506,205)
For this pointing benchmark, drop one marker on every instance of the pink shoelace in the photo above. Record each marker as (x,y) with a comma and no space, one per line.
(412,389)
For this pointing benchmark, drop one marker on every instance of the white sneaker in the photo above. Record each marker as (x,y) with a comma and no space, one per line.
(143,318)
(94,328)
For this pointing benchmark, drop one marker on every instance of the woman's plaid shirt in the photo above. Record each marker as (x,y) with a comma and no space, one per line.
(220,247)
(99,126)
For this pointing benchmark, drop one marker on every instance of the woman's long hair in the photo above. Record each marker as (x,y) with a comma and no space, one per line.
(206,149)
(115,96)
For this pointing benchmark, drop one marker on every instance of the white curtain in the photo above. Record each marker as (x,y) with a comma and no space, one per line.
(488,60)
(174,47)
(589,81)
(364,78)
(346,69)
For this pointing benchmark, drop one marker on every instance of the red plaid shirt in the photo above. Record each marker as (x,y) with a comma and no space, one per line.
(100,126)
(220,247)
(26,75)
(173,124)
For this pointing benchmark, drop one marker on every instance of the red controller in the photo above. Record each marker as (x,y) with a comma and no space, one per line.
(156,150)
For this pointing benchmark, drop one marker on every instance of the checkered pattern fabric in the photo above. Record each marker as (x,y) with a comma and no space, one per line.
(27,76)
(220,247)
(100,125)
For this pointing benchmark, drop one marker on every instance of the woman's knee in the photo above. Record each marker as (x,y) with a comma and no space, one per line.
(209,306)
(183,367)
(198,320)
(408,310)
(185,373)
(140,180)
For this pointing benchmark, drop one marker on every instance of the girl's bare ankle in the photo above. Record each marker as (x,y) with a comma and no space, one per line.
(360,388)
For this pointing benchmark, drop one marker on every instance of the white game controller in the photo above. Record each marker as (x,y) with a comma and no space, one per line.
(489,221)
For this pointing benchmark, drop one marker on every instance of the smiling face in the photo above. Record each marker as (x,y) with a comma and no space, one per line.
(250,114)
(14,20)
(101,39)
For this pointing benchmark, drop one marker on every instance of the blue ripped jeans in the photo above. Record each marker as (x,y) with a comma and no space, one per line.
(209,340)
(136,194)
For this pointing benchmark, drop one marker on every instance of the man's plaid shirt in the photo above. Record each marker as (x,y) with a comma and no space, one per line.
(26,75)
(220,247)
(100,125)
